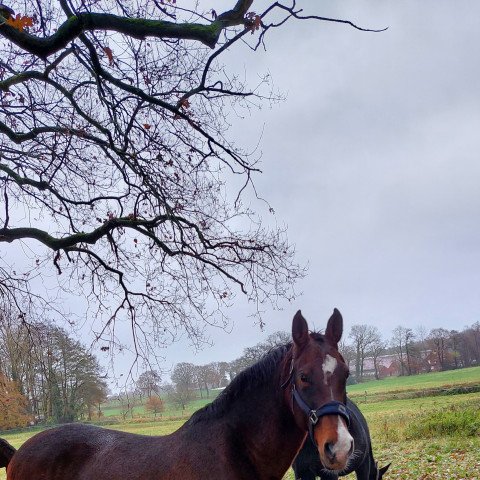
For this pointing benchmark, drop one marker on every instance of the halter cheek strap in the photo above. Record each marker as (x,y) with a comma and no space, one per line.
(331,408)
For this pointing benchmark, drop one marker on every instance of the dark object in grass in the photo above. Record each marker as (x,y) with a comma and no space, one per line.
(308,466)
(236,437)
(6,453)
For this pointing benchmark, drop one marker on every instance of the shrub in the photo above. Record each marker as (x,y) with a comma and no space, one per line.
(456,421)
(155,405)
(13,405)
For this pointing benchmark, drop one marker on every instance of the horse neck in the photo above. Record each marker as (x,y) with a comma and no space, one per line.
(266,424)
(251,425)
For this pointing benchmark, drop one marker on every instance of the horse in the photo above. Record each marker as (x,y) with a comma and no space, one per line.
(308,466)
(253,430)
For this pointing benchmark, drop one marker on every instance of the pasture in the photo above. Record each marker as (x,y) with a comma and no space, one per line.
(426,437)
(424,382)
(114,409)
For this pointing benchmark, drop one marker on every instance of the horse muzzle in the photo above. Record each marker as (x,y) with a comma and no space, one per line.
(334,442)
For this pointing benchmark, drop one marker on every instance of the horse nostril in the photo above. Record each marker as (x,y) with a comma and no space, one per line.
(329,450)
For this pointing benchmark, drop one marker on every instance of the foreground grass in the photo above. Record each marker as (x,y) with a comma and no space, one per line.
(435,459)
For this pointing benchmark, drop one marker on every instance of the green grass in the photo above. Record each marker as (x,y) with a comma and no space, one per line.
(458,420)
(392,420)
(424,381)
(150,428)
(113,409)
(433,459)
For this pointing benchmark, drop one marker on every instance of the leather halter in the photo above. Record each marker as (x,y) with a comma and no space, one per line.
(330,408)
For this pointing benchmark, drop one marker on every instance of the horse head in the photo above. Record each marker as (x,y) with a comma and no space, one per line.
(317,379)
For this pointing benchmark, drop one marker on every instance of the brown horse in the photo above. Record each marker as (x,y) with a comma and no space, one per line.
(253,430)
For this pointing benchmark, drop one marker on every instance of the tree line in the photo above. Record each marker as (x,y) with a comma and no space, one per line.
(48,377)
(45,375)
(189,380)
(408,351)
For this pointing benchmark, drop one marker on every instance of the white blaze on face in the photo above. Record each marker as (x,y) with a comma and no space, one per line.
(328,367)
(344,439)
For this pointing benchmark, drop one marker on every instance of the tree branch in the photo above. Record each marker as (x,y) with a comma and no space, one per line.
(139,28)
(11,234)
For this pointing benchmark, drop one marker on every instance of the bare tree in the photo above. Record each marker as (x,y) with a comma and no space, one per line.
(212,375)
(254,353)
(183,378)
(402,343)
(455,345)
(439,340)
(348,351)
(277,339)
(475,337)
(363,337)
(205,376)
(235,367)
(94,393)
(149,382)
(469,345)
(220,371)
(421,335)
(377,348)
(115,161)
(127,403)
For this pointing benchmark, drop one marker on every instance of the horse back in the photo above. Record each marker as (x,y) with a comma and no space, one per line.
(84,452)
(52,454)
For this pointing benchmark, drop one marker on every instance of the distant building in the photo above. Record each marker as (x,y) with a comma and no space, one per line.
(390,366)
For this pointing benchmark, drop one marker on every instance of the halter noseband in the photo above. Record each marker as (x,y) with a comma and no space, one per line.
(330,408)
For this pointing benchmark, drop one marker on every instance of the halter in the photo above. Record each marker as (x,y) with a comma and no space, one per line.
(330,408)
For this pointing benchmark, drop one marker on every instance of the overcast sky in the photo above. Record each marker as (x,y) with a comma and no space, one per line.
(373,164)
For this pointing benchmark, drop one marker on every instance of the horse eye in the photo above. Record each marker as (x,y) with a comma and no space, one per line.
(305,378)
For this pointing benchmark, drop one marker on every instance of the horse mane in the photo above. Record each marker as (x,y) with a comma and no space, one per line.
(245,382)
(317,336)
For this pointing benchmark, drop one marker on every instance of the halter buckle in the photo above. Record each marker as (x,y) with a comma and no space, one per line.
(313,417)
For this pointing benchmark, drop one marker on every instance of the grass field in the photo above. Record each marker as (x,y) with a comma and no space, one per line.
(441,451)
(424,381)
(375,389)
(113,409)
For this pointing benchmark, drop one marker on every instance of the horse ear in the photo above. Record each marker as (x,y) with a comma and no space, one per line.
(334,328)
(299,330)
(383,470)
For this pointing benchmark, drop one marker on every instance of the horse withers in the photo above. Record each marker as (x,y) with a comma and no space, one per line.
(267,409)
(308,466)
